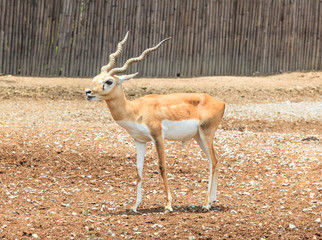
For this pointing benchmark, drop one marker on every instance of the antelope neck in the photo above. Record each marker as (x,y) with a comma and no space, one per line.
(118,105)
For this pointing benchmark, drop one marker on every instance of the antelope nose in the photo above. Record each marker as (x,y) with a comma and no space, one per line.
(87,92)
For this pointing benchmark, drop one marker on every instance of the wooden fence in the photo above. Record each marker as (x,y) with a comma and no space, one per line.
(209,37)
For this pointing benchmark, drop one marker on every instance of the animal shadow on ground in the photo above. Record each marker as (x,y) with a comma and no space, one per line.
(176,209)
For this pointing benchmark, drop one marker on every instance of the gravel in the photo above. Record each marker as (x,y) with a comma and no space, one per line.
(61,111)
(276,111)
(66,172)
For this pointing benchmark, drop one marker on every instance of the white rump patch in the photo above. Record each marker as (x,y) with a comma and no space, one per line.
(180,130)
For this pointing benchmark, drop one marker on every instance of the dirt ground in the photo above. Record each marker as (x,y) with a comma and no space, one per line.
(67,171)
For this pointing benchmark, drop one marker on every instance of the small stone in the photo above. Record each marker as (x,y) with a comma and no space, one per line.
(306,209)
(318,220)
(103,207)
(35,235)
(156,225)
(291,226)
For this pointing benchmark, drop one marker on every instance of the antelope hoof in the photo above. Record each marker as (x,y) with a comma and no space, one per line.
(134,209)
(206,208)
(168,209)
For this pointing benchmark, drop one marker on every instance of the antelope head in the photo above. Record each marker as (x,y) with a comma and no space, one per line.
(104,84)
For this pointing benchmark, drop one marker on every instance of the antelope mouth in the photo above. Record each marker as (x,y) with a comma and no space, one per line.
(90,98)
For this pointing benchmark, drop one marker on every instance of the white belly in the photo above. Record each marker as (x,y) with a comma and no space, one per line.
(180,130)
(171,130)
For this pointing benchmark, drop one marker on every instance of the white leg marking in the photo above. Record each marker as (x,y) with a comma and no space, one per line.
(203,145)
(140,148)
(210,173)
(214,186)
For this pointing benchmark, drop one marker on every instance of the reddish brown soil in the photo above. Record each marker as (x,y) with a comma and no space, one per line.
(67,171)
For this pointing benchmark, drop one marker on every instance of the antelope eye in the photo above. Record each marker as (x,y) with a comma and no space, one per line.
(109,82)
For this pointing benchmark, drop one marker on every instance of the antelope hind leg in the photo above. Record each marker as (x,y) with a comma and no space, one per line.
(207,146)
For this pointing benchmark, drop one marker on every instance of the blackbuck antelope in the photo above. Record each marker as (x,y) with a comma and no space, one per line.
(175,117)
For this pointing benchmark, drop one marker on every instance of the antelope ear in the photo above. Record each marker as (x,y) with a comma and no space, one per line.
(123,78)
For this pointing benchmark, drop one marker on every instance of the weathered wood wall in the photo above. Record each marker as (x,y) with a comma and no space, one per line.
(209,37)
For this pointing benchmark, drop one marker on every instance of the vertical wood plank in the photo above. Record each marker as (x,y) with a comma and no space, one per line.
(210,37)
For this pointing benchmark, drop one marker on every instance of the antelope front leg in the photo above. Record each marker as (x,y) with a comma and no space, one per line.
(160,150)
(140,148)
